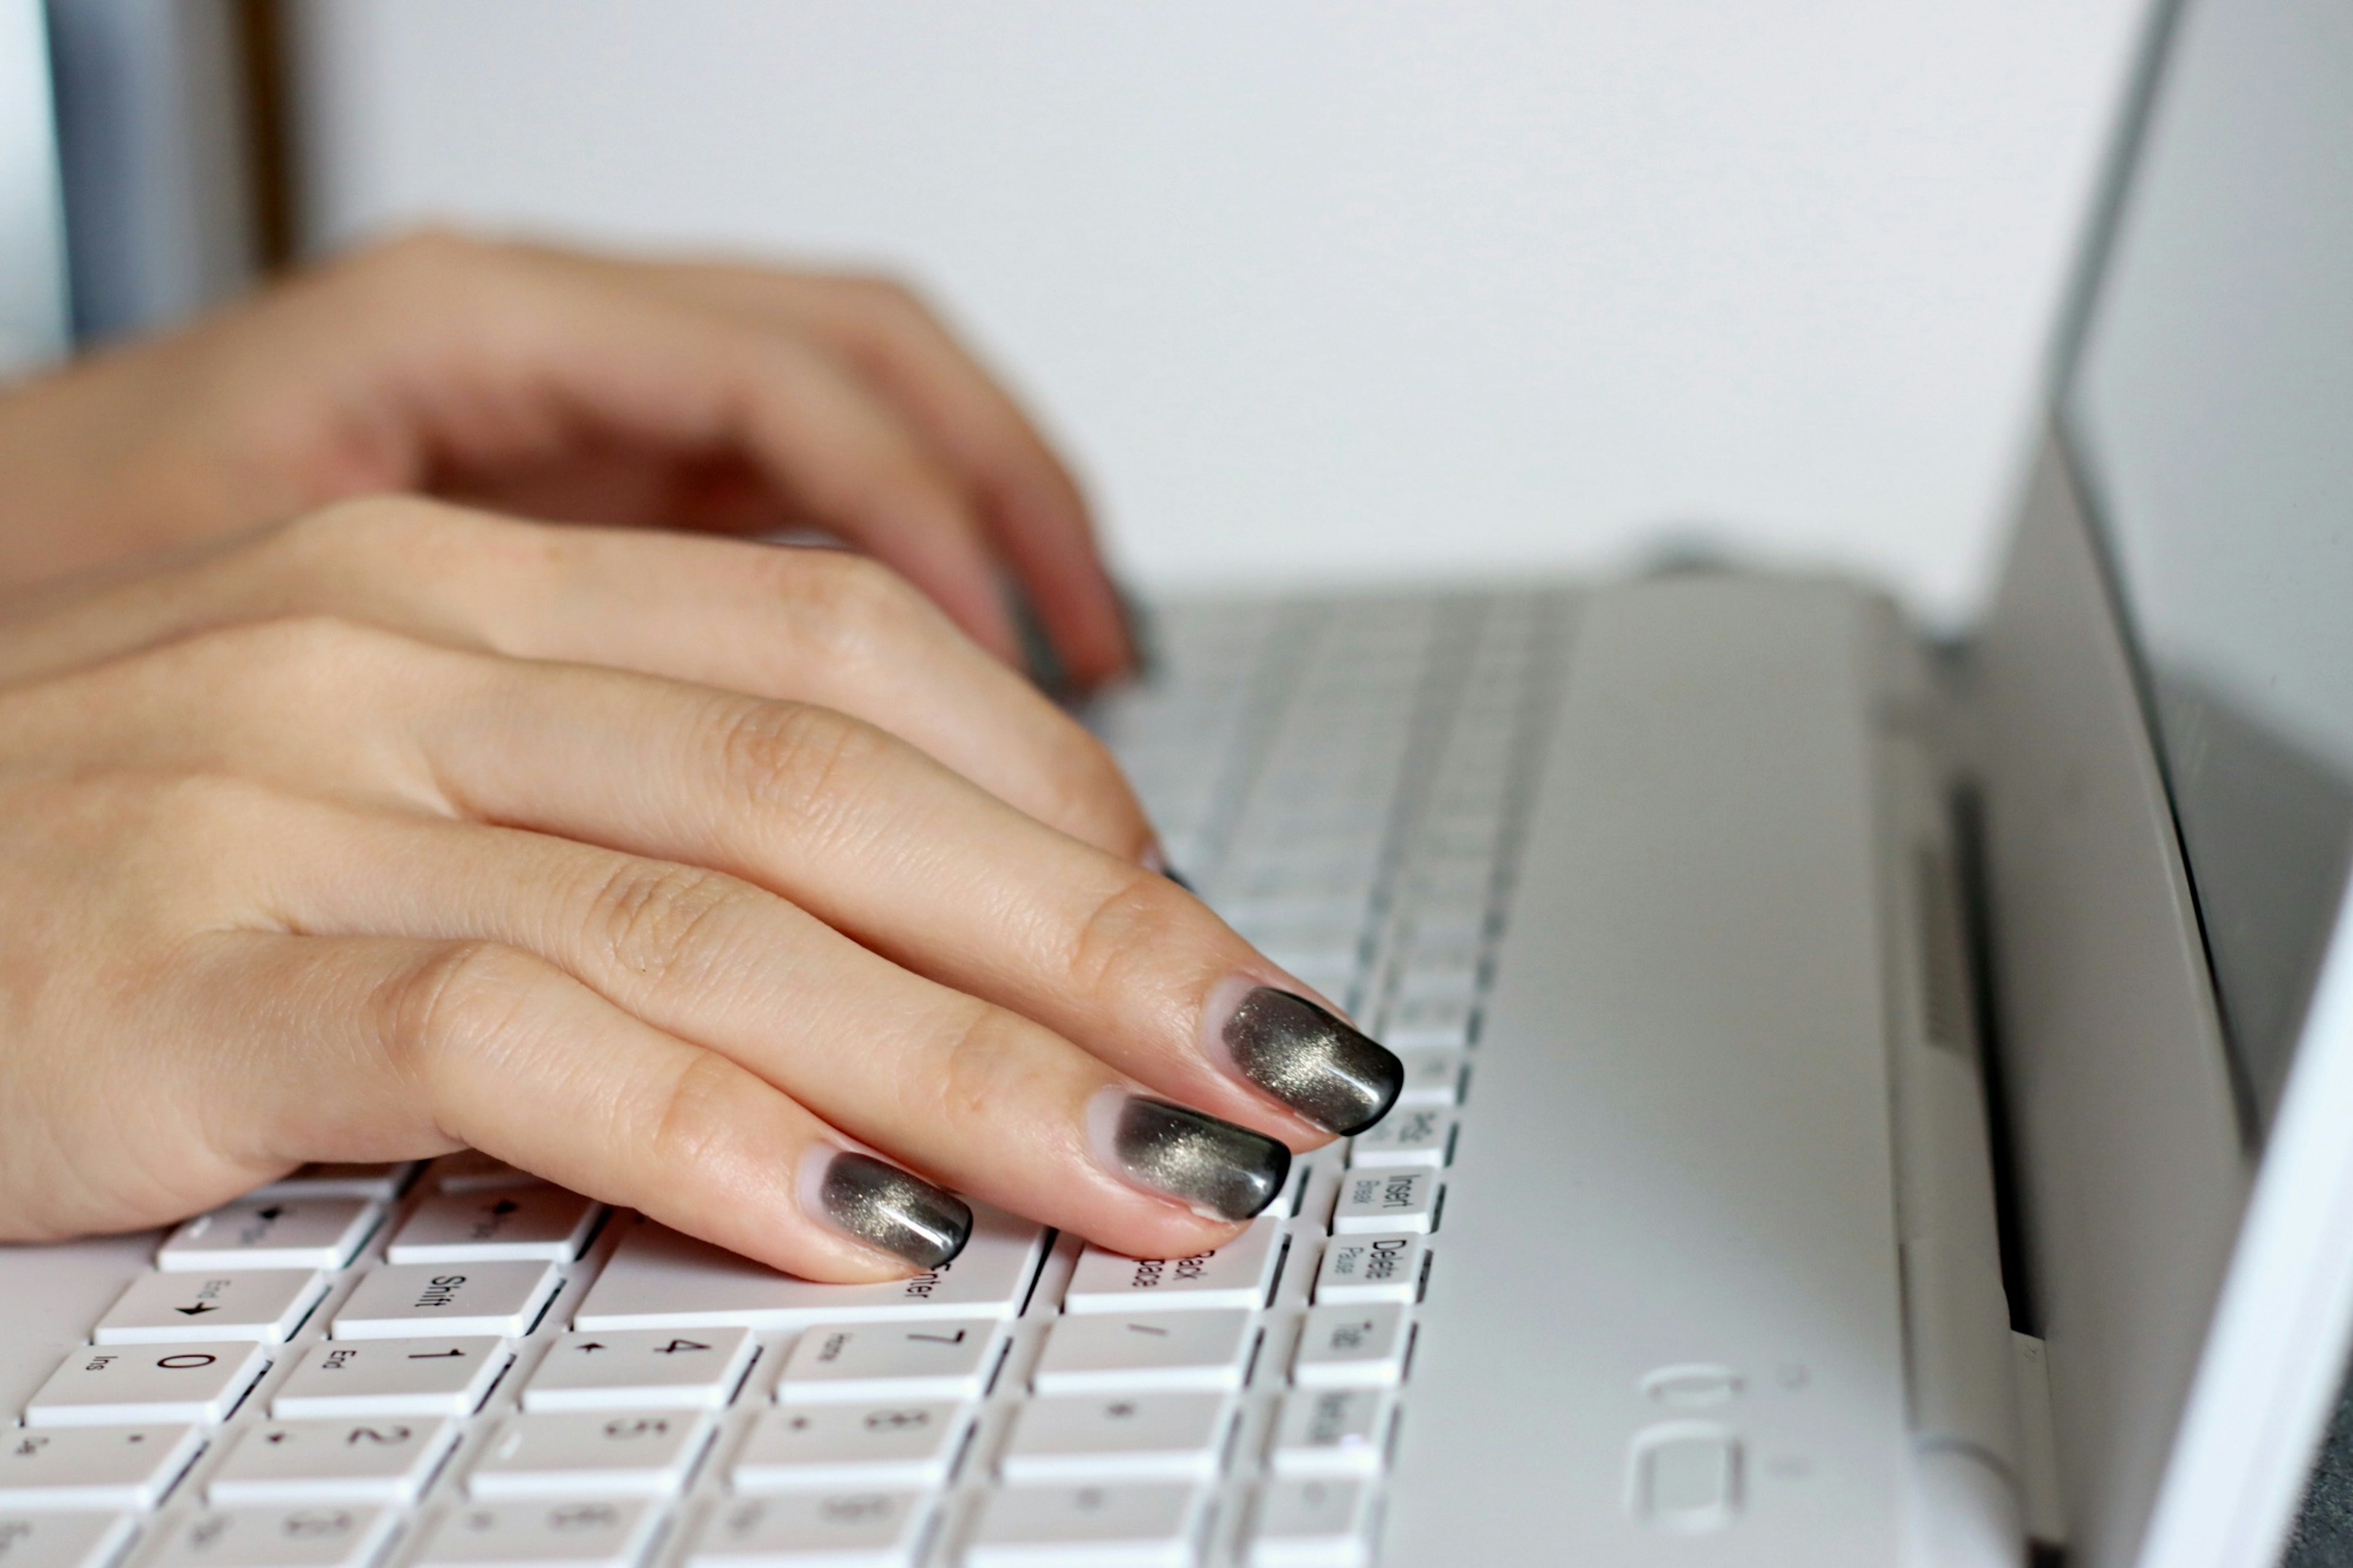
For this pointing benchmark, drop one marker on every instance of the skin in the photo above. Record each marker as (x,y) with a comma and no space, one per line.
(731,399)
(645,860)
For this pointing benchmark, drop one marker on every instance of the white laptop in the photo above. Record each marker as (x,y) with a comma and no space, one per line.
(1867,1103)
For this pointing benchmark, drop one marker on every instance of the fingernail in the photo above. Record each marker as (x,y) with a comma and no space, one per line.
(885,1207)
(1335,1076)
(1219,1170)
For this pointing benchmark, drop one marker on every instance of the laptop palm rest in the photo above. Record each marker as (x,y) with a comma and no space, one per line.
(1664,1320)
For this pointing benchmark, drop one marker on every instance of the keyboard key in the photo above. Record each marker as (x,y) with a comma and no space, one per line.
(851,1446)
(278,1232)
(391,1377)
(578,1453)
(581,1534)
(1167,1351)
(382,1182)
(1359,1268)
(1432,1078)
(1332,1432)
(513,1223)
(91,1467)
(293,1462)
(659,1278)
(1313,1524)
(1352,1347)
(61,1540)
(1137,1525)
(1239,1274)
(647,1369)
(1419,1135)
(318,1535)
(403,1300)
(1117,1436)
(930,1360)
(150,1383)
(159,1309)
(850,1529)
(1385,1200)
(471,1171)
(1423,1025)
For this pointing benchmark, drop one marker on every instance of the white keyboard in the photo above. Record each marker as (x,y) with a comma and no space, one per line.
(459,1366)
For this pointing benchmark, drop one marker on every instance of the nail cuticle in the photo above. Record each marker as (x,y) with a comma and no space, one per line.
(884,1208)
(1309,1057)
(1216,1169)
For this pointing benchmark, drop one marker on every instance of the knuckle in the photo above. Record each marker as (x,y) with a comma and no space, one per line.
(804,764)
(981,1069)
(697,1119)
(375,531)
(1136,925)
(662,922)
(854,607)
(461,1002)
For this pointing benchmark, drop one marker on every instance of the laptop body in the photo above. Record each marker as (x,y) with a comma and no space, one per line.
(1863,1143)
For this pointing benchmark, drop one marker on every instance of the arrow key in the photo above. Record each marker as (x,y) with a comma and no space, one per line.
(278,1232)
(513,1224)
(641,1369)
(266,1304)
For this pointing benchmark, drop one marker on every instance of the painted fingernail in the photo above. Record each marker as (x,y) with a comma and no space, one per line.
(1219,1170)
(885,1207)
(1330,1073)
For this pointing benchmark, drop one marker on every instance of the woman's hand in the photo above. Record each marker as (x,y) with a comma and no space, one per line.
(729,399)
(677,870)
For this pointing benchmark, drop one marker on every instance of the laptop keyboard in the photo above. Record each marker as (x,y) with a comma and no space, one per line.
(459,1366)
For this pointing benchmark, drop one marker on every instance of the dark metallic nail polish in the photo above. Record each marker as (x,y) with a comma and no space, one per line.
(1340,1079)
(1214,1166)
(884,1206)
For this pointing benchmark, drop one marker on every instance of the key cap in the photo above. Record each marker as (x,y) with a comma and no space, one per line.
(851,1446)
(579,1453)
(647,1368)
(849,1528)
(91,1467)
(1421,1024)
(1164,1350)
(1117,1437)
(1332,1432)
(278,1232)
(375,1459)
(1352,1346)
(1358,1269)
(403,1300)
(315,1535)
(552,1534)
(1239,1274)
(391,1377)
(1410,1135)
(929,1359)
(660,1279)
(382,1182)
(146,1384)
(1432,1078)
(62,1539)
(505,1222)
(1385,1200)
(268,1304)
(471,1171)
(1137,1525)
(1321,1523)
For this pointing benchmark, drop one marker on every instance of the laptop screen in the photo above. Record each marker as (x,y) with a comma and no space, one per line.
(2210,414)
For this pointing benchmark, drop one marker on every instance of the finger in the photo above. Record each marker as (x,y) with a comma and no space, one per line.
(889,848)
(965,1092)
(821,627)
(1031,502)
(545,360)
(373,1047)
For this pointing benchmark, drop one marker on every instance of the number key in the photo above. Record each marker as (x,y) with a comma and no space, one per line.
(651,1369)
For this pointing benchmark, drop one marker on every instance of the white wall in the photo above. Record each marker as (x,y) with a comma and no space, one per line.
(1376,285)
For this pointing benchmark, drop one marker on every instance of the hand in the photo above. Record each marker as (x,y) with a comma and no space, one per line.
(729,399)
(680,871)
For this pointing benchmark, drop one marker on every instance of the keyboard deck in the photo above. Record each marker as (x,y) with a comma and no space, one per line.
(458,1364)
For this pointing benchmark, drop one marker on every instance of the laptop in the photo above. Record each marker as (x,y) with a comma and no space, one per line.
(1870,1101)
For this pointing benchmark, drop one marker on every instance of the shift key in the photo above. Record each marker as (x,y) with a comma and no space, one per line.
(403,1300)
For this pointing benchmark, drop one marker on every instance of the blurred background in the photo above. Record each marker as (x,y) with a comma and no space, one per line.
(1315,288)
